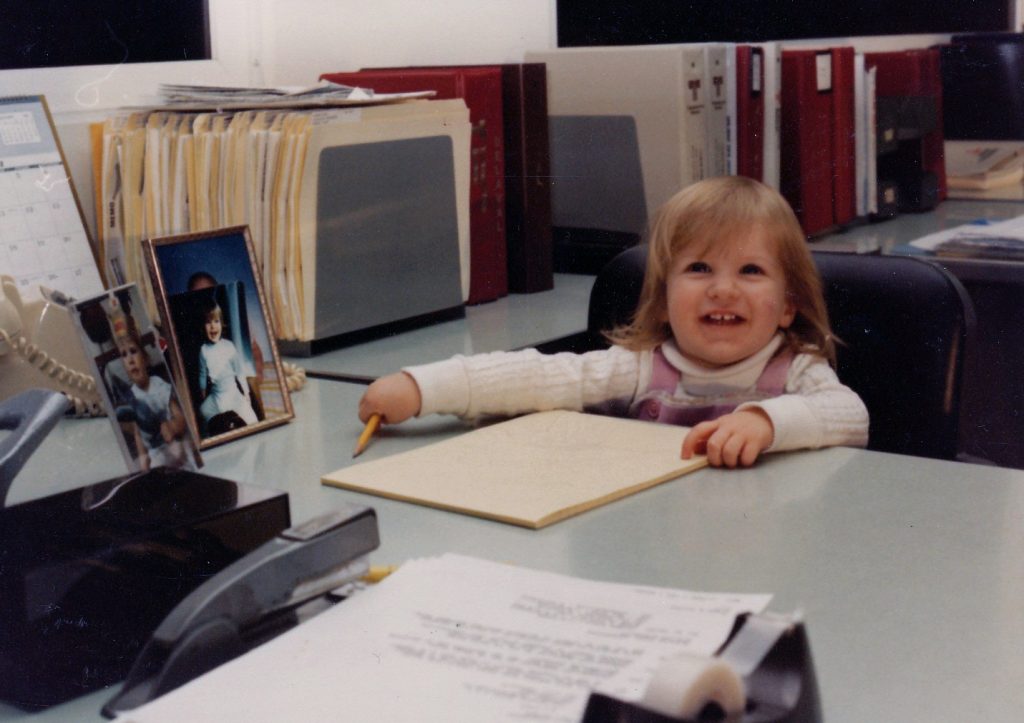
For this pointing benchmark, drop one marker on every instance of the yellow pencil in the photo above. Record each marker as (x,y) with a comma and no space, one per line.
(364,439)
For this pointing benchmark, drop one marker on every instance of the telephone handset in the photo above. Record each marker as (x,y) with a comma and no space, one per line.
(39,349)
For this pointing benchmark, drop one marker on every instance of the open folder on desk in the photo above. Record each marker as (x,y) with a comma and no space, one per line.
(530,471)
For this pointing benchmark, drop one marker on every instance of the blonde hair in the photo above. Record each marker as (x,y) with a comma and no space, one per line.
(713,211)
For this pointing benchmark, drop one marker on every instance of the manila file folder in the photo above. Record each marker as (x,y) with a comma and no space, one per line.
(530,471)
(383,215)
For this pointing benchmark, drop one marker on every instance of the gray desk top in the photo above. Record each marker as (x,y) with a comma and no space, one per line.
(885,235)
(908,570)
(511,322)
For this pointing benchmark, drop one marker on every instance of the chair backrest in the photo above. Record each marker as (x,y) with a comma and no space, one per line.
(903,323)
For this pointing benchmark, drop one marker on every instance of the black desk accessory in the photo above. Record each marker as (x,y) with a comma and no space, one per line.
(28,417)
(87,575)
(250,602)
(780,688)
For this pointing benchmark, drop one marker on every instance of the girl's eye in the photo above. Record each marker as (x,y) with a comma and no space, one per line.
(751,269)
(698,267)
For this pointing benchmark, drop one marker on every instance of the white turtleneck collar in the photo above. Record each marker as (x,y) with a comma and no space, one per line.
(700,380)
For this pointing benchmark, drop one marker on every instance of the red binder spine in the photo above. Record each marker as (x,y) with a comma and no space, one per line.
(750,111)
(480,88)
(806,138)
(527,178)
(844,158)
(910,73)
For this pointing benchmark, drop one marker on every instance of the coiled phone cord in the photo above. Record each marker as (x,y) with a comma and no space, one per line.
(63,375)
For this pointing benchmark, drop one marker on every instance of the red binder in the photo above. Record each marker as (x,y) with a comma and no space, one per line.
(750,111)
(481,89)
(910,73)
(844,152)
(817,150)
(527,178)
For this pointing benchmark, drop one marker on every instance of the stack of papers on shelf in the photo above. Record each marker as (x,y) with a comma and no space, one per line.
(985,169)
(325,93)
(1002,240)
(458,638)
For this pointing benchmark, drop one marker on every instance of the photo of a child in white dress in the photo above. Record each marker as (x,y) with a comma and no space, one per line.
(225,397)
(220,331)
(219,357)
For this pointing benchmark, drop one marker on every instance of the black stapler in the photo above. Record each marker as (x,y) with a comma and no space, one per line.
(250,602)
(86,575)
(773,655)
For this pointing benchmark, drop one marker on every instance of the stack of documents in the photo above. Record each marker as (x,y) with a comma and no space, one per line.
(163,173)
(325,93)
(1002,240)
(460,639)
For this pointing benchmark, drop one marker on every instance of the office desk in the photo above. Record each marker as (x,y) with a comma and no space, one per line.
(908,570)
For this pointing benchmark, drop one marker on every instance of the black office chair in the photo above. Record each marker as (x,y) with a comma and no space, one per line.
(904,324)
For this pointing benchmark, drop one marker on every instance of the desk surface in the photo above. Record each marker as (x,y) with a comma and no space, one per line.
(511,322)
(908,570)
(884,236)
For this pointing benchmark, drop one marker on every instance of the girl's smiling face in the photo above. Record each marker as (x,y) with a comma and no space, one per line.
(213,326)
(725,303)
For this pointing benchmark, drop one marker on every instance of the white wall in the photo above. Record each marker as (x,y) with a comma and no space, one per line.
(290,42)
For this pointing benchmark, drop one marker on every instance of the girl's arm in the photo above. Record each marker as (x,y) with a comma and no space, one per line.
(506,383)
(203,374)
(817,410)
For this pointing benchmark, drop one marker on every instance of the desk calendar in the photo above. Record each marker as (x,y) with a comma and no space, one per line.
(43,238)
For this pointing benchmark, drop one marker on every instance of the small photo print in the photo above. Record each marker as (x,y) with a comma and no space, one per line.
(134,380)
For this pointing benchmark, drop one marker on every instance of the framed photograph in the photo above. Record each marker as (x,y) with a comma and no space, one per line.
(135,381)
(219,326)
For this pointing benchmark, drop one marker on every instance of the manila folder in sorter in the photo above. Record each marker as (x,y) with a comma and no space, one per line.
(532,470)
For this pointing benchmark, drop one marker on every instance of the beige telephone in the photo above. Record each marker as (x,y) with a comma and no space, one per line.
(40,349)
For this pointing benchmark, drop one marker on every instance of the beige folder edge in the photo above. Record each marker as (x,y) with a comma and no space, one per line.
(530,471)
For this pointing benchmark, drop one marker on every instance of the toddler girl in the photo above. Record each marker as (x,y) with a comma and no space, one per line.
(730,338)
(222,381)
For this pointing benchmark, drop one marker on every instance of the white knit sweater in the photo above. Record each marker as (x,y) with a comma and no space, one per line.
(816,410)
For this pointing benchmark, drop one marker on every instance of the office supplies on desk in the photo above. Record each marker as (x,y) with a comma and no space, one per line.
(88,574)
(762,674)
(364,439)
(460,638)
(251,601)
(531,471)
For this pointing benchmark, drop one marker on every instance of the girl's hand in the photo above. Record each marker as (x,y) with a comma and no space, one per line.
(732,440)
(395,398)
